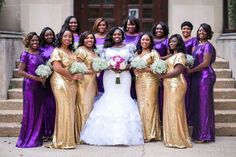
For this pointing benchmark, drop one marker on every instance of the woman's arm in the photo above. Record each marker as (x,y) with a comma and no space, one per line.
(178,69)
(206,61)
(23,73)
(57,66)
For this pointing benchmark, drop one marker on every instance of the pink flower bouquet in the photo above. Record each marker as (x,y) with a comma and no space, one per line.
(118,63)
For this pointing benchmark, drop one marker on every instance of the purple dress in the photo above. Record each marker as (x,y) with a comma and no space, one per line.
(131,39)
(99,45)
(134,40)
(162,47)
(76,38)
(31,129)
(189,45)
(49,99)
(201,96)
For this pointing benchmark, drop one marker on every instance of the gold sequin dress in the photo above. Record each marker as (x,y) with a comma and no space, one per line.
(175,128)
(147,85)
(65,134)
(87,88)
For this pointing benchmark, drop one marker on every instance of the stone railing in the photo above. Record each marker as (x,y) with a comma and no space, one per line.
(10,49)
(226,48)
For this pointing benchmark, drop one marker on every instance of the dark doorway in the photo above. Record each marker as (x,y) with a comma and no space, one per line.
(116,11)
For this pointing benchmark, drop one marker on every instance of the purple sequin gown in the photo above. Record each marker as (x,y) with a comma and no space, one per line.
(49,100)
(134,40)
(201,96)
(31,129)
(162,47)
(189,45)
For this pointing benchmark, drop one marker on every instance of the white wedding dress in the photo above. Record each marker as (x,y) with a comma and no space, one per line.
(115,118)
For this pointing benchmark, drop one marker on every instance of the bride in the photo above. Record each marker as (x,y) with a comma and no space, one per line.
(115,118)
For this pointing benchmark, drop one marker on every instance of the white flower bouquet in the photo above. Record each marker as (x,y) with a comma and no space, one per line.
(159,67)
(43,71)
(78,67)
(99,64)
(189,60)
(138,63)
(117,63)
(49,63)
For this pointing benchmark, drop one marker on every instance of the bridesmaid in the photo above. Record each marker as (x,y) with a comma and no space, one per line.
(87,88)
(64,88)
(175,128)
(132,31)
(47,46)
(132,35)
(73,25)
(31,132)
(100,29)
(160,32)
(189,42)
(202,84)
(147,89)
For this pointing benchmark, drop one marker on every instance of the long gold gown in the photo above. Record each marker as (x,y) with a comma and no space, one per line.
(65,134)
(87,88)
(175,129)
(147,90)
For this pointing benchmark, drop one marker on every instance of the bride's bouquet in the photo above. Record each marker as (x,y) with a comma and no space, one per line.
(78,67)
(118,63)
(159,67)
(99,64)
(189,60)
(138,63)
(43,71)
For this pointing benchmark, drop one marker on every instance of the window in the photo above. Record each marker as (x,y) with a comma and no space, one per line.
(229,16)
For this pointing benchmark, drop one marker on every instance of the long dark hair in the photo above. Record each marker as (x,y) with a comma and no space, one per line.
(109,42)
(180,44)
(59,38)
(164,27)
(42,36)
(67,21)
(133,21)
(208,30)
(84,36)
(139,47)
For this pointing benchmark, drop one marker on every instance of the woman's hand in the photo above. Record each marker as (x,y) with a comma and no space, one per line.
(189,71)
(78,76)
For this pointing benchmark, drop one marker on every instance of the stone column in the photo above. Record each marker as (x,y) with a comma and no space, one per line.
(10,49)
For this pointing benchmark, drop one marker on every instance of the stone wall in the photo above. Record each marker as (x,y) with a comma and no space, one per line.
(197,12)
(10,49)
(226,48)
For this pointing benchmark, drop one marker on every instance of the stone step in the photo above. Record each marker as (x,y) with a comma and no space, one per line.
(9,129)
(11,104)
(15,73)
(15,93)
(225,104)
(16,83)
(224,93)
(10,115)
(17,63)
(13,129)
(224,83)
(225,116)
(225,129)
(223,73)
(221,64)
